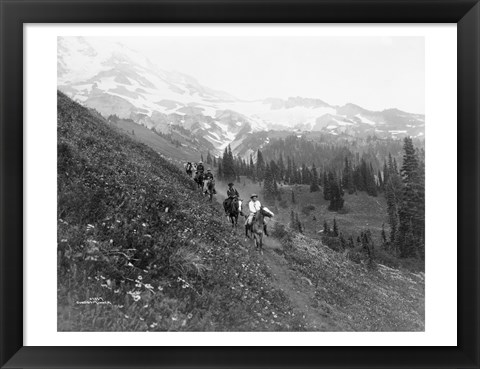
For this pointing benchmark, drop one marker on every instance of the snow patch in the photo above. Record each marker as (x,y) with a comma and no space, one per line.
(365,120)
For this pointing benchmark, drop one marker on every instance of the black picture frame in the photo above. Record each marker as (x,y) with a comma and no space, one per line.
(14,14)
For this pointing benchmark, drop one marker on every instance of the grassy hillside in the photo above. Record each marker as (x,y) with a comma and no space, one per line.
(134,234)
(139,248)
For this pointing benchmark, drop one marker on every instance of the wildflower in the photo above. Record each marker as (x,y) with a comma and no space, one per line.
(149,286)
(130,264)
(160,288)
(136,297)
(189,316)
(140,277)
(153,325)
(174,318)
(126,316)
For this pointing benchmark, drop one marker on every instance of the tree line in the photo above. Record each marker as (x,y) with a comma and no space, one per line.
(403,187)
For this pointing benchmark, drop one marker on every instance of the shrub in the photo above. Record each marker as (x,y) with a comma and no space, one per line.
(307,209)
(333,243)
(279,231)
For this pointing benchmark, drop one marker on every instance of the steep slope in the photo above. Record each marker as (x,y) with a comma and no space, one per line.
(135,237)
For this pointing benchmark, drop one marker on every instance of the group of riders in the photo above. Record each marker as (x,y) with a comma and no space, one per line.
(202,178)
(233,202)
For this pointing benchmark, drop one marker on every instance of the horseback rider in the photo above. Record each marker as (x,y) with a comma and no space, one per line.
(209,177)
(231,194)
(254,206)
(200,167)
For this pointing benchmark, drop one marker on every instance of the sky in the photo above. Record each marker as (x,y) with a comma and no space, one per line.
(374,72)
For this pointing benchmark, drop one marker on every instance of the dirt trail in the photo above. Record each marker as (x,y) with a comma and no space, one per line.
(299,290)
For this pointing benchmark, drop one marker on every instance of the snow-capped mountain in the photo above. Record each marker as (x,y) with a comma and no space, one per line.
(116,80)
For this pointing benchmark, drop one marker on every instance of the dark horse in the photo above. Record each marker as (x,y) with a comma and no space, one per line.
(189,169)
(232,208)
(199,179)
(210,191)
(258,228)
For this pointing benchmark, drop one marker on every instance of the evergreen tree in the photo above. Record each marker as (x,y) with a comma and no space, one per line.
(347,179)
(385,175)
(411,211)
(209,158)
(314,183)
(228,165)
(260,166)
(393,194)
(289,175)
(305,175)
(335,227)
(326,229)
(293,197)
(268,184)
(327,193)
(336,194)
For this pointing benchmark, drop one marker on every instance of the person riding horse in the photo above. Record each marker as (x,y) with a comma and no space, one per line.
(199,179)
(200,167)
(254,206)
(208,175)
(210,181)
(231,194)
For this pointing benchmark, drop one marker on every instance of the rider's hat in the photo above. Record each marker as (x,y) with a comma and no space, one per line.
(208,170)
(200,162)
(230,184)
(254,195)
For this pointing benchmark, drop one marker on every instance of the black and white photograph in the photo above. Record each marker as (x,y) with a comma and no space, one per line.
(241,183)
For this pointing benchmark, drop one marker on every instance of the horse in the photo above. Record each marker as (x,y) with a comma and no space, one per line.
(233,209)
(258,228)
(189,169)
(199,180)
(210,189)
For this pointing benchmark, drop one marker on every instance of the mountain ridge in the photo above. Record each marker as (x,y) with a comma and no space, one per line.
(118,80)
